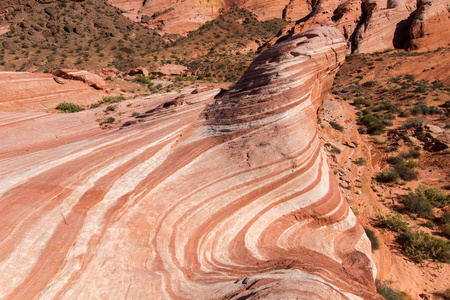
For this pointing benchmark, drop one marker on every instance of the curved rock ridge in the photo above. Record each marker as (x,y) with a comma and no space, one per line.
(230,200)
(27,92)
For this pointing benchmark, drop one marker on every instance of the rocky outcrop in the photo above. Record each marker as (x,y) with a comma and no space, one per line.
(430,28)
(27,92)
(385,27)
(89,78)
(231,199)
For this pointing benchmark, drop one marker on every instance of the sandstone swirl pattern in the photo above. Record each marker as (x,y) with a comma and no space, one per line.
(232,199)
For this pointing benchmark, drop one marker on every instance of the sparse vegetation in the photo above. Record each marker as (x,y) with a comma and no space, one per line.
(109,120)
(395,222)
(373,238)
(337,126)
(384,289)
(112,99)
(421,245)
(68,107)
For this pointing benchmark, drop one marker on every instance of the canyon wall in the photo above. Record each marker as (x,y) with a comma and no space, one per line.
(209,196)
(368,25)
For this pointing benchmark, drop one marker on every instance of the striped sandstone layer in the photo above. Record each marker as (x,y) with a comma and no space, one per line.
(33,92)
(224,198)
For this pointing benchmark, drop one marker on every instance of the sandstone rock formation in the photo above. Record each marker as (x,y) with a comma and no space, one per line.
(186,15)
(368,25)
(430,28)
(228,199)
(386,27)
(89,78)
(28,92)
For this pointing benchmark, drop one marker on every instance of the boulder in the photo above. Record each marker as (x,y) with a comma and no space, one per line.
(91,79)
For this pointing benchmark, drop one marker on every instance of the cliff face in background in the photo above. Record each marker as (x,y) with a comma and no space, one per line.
(205,198)
(368,25)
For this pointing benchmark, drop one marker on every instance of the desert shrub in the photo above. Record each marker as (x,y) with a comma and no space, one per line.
(112,99)
(391,107)
(446,104)
(393,222)
(374,122)
(373,238)
(337,126)
(109,120)
(414,122)
(446,218)
(421,245)
(433,196)
(334,149)
(434,110)
(406,113)
(446,230)
(419,205)
(429,224)
(387,176)
(68,107)
(110,108)
(412,153)
(361,101)
(360,161)
(387,292)
(405,170)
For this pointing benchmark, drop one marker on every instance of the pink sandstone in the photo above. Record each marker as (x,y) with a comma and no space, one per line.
(430,28)
(28,92)
(204,199)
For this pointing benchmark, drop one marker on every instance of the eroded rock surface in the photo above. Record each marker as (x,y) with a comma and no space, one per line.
(368,25)
(87,77)
(430,28)
(28,92)
(208,198)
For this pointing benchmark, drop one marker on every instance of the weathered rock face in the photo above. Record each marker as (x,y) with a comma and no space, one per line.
(368,25)
(186,15)
(430,28)
(27,92)
(89,78)
(232,199)
(385,27)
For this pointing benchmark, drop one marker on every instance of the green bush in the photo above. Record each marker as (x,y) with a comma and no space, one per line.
(109,120)
(433,196)
(110,108)
(393,222)
(373,238)
(418,205)
(405,171)
(337,126)
(361,101)
(375,123)
(112,99)
(446,230)
(387,292)
(68,107)
(387,176)
(421,245)
(414,122)
(446,218)
(360,161)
